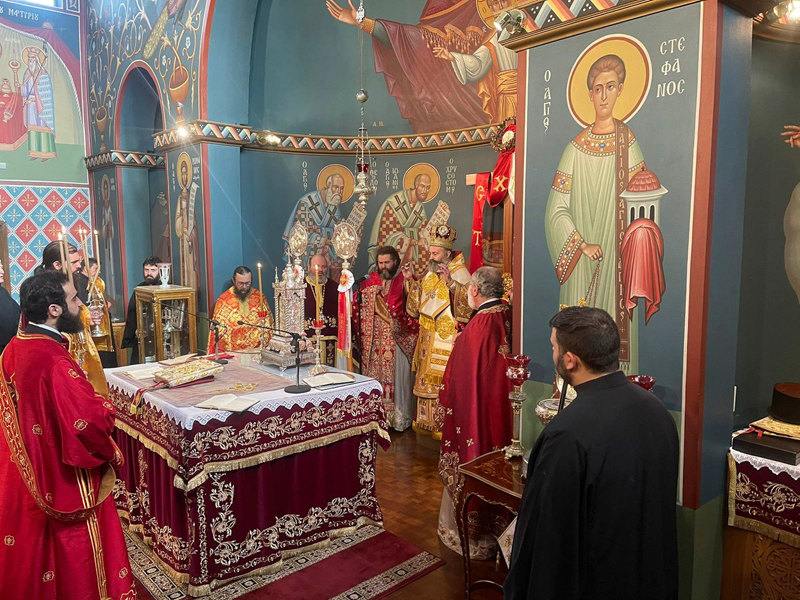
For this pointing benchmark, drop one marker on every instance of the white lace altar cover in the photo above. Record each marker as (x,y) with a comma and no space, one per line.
(187,416)
(760,463)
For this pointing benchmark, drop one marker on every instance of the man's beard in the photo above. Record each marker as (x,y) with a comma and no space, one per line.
(242,294)
(388,274)
(333,199)
(562,370)
(152,280)
(68,323)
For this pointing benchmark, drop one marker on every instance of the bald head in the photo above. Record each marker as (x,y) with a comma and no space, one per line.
(318,263)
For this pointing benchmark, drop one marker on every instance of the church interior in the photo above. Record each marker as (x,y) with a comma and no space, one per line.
(317,239)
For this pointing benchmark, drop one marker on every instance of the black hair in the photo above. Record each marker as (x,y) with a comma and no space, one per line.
(590,334)
(240,271)
(151,261)
(37,293)
(52,253)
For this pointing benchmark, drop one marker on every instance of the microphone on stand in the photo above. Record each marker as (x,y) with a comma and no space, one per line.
(213,326)
(297,388)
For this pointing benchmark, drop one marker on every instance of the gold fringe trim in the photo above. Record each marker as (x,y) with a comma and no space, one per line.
(772,532)
(206,589)
(250,461)
(148,443)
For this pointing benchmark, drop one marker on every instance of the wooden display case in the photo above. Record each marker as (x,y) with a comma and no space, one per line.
(165,321)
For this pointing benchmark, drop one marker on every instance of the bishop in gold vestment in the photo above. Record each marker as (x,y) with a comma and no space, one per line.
(439,300)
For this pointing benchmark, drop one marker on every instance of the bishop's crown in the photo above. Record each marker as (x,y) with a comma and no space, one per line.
(443,236)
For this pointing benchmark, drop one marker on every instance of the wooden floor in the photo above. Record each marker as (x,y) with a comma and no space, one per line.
(410,492)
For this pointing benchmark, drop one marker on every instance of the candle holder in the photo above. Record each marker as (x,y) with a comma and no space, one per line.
(517,373)
(96,305)
(163,273)
(318,368)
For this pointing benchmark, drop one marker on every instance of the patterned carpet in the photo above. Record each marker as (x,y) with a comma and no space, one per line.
(367,565)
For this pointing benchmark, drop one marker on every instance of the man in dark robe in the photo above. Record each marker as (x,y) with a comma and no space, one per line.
(129,337)
(598,517)
(9,314)
(318,284)
(62,535)
(477,410)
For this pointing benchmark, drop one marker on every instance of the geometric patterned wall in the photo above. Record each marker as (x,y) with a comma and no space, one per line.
(35,216)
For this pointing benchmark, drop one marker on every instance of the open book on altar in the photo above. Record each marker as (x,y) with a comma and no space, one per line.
(329,379)
(229,402)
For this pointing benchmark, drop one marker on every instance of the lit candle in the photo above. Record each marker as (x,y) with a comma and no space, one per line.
(97,250)
(61,251)
(85,250)
(317,290)
(260,288)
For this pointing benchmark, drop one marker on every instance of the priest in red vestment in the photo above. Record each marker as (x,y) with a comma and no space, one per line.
(478,415)
(62,538)
(388,337)
(241,302)
(319,285)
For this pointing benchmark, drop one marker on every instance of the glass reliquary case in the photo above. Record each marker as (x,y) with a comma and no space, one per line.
(165,321)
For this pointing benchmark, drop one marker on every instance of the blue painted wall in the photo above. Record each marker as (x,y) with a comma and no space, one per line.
(726,254)
(226,217)
(769,317)
(135,185)
(140,112)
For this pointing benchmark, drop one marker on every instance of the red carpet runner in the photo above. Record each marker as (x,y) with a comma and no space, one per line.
(367,565)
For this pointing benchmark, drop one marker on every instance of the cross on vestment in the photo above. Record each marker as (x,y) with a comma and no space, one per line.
(507,226)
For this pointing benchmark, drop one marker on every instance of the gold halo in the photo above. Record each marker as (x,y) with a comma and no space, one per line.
(486,13)
(39,51)
(422,169)
(344,172)
(105,179)
(183,157)
(638,77)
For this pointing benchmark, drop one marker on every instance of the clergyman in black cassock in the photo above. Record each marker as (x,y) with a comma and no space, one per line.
(598,515)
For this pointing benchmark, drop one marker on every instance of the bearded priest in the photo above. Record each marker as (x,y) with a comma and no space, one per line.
(81,344)
(62,538)
(478,415)
(388,337)
(241,302)
(439,301)
(319,285)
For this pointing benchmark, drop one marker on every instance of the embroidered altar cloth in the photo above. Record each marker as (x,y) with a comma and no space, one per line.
(218,495)
(764,497)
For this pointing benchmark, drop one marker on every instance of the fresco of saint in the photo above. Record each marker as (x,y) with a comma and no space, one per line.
(583,222)
(449,71)
(39,104)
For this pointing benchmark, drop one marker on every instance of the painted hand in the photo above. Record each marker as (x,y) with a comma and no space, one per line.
(792,135)
(592,251)
(442,52)
(340,14)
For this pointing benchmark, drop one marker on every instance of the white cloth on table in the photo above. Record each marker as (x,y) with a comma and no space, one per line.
(759,463)
(186,417)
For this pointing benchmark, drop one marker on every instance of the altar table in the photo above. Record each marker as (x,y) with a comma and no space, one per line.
(219,495)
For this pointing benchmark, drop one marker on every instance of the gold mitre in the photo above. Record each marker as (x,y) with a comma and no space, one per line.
(444,236)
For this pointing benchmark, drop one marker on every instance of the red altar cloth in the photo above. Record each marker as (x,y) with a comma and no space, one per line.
(764,497)
(219,500)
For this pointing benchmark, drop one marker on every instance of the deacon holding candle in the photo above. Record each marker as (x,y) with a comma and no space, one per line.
(322,301)
(242,303)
